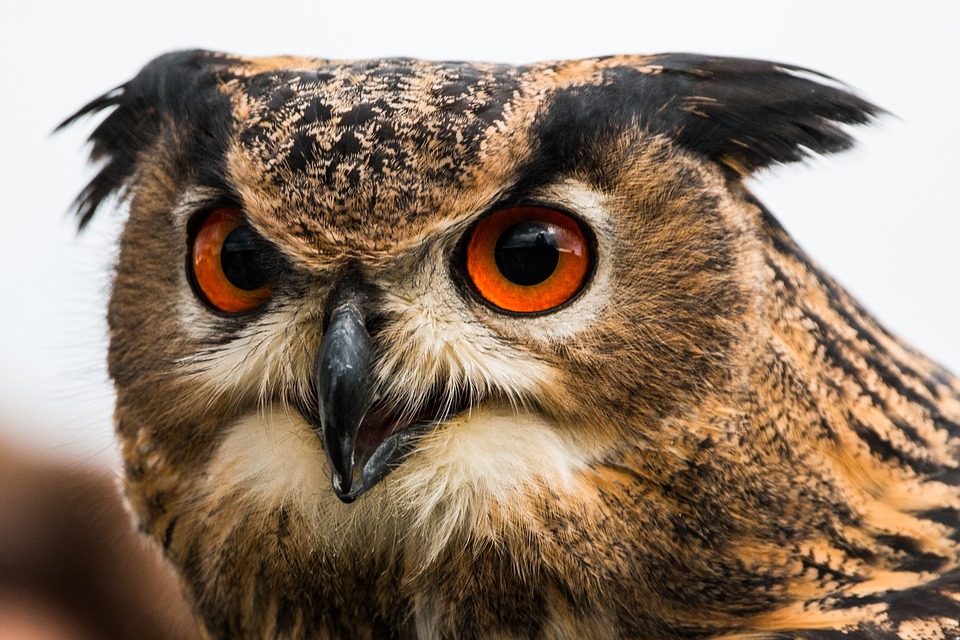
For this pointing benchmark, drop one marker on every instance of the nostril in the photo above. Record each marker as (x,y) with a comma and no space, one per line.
(350,289)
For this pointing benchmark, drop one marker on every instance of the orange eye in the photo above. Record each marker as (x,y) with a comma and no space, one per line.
(528,259)
(232,265)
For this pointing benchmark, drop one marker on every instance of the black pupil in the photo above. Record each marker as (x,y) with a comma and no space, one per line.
(242,259)
(527,253)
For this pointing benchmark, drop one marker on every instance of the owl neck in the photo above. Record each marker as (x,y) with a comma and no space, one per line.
(856,383)
(856,434)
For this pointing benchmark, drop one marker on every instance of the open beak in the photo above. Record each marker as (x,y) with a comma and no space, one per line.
(364,438)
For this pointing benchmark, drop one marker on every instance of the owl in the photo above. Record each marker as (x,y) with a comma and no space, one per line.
(406,349)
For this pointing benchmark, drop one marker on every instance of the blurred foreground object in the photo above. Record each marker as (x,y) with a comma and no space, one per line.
(71,565)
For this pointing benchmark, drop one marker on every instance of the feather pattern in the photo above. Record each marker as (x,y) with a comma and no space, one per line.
(712,439)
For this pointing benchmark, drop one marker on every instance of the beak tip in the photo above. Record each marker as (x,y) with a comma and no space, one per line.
(341,491)
(338,484)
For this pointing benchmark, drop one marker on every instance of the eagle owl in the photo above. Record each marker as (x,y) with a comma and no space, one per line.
(406,349)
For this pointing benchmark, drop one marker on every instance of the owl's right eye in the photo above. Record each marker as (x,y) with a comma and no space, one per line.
(233,268)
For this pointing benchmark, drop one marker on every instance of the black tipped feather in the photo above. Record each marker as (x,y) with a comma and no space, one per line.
(119,161)
(180,88)
(750,114)
(745,114)
(109,99)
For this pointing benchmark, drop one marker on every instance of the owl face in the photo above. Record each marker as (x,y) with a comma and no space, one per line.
(460,273)
(393,337)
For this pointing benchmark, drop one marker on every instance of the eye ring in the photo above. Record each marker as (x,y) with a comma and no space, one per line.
(528,259)
(231,267)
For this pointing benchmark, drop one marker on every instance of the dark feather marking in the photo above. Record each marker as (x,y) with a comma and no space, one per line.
(885,450)
(946,516)
(168,535)
(854,320)
(924,602)
(572,125)
(868,631)
(134,470)
(157,503)
(915,559)
(824,569)
(191,569)
(283,526)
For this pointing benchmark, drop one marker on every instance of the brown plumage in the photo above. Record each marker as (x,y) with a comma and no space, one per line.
(709,438)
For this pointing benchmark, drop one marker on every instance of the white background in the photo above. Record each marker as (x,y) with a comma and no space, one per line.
(883,219)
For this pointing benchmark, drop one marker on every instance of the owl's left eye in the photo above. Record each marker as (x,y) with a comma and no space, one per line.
(233,268)
(528,259)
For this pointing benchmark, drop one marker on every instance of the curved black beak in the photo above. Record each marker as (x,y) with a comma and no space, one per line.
(344,392)
(364,440)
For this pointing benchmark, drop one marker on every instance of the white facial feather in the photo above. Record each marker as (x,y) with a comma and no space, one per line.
(432,340)
(489,462)
(270,358)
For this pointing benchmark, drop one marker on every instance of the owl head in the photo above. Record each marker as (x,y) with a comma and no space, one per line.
(401,345)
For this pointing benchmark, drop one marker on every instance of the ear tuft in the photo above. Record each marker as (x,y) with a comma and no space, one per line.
(180,88)
(750,114)
(116,170)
